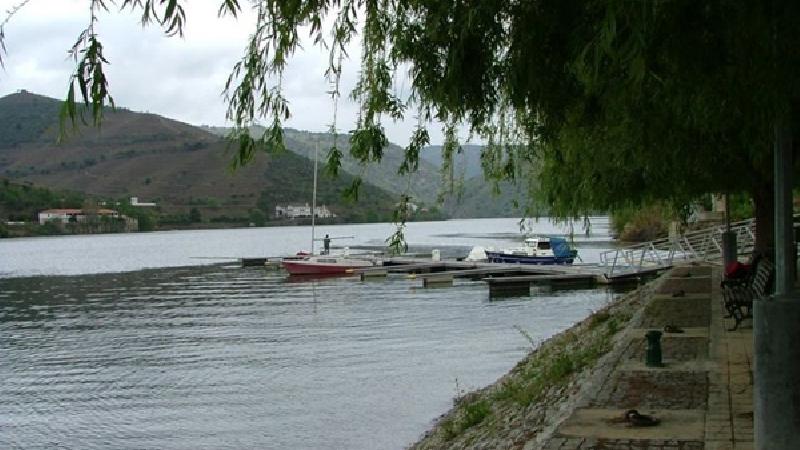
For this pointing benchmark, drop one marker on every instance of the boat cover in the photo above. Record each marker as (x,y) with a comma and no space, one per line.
(560,247)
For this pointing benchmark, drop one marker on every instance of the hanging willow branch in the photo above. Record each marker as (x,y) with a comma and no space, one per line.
(9,14)
(89,76)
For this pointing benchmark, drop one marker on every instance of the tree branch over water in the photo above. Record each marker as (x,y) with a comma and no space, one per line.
(596,105)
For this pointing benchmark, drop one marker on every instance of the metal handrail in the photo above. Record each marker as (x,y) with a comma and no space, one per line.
(695,245)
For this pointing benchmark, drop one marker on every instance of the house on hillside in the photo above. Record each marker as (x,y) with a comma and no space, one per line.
(72,215)
(98,220)
(302,211)
(135,202)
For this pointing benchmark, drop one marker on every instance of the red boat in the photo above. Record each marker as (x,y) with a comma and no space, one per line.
(324,264)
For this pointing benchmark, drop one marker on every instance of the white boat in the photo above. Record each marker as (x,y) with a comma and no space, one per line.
(535,250)
(324,264)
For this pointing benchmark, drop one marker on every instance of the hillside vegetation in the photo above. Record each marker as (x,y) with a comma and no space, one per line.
(473,196)
(179,166)
(19,202)
(25,118)
(422,186)
(184,168)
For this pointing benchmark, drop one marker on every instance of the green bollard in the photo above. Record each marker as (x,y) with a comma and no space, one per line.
(653,352)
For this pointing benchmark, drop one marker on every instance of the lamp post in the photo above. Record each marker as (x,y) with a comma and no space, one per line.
(730,252)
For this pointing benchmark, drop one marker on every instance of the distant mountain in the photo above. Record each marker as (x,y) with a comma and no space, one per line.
(476,196)
(177,165)
(25,117)
(183,167)
(466,163)
(422,185)
(473,199)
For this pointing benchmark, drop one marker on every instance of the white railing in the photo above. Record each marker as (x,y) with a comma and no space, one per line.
(697,245)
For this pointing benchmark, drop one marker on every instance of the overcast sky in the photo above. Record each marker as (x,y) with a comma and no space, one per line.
(180,78)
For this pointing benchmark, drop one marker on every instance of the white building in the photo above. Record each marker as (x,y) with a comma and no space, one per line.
(72,215)
(135,202)
(301,211)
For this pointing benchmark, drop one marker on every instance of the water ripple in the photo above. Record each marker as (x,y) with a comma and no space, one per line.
(222,357)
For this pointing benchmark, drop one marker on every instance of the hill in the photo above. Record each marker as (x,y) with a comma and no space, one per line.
(25,117)
(475,196)
(177,165)
(422,186)
(474,199)
(466,163)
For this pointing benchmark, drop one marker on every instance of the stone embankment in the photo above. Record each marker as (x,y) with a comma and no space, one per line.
(541,390)
(573,391)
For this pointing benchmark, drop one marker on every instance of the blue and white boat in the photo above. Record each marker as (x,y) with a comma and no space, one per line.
(536,250)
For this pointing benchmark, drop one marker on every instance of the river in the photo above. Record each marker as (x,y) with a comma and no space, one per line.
(154,340)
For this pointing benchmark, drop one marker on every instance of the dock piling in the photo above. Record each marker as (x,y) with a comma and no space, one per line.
(437,281)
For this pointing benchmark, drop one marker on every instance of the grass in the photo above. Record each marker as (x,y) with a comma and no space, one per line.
(552,365)
(468,416)
(474,413)
(598,318)
(527,337)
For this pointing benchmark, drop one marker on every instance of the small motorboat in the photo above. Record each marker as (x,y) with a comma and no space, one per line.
(536,250)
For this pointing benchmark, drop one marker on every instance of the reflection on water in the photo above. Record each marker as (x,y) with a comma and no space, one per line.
(223,357)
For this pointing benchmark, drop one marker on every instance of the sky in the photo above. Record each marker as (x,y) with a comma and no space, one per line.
(179,78)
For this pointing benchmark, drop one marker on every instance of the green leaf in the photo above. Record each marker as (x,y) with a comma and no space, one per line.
(333,161)
(419,139)
(351,192)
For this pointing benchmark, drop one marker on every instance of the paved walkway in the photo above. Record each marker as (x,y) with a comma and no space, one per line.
(703,395)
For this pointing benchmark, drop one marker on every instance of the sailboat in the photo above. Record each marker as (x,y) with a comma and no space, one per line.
(326,263)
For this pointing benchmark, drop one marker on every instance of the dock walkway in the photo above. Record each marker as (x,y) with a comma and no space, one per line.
(703,394)
(503,278)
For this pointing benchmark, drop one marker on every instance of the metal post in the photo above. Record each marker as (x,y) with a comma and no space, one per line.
(614,265)
(784,236)
(653,351)
(314,196)
(730,253)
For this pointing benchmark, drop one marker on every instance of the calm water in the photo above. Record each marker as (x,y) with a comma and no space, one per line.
(216,356)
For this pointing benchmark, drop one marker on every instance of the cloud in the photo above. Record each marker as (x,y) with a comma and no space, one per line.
(180,78)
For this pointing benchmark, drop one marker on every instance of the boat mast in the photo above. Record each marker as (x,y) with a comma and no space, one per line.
(314,195)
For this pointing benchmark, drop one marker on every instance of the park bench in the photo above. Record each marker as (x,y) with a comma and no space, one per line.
(738,294)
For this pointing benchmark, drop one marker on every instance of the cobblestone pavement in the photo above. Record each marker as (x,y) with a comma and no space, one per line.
(706,383)
(622,444)
(684,312)
(654,390)
(672,348)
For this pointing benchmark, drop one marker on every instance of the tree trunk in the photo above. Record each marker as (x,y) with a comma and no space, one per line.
(764,205)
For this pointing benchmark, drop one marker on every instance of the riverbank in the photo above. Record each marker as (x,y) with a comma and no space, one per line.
(573,390)
(524,404)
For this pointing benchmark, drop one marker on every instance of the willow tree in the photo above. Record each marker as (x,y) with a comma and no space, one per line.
(606,103)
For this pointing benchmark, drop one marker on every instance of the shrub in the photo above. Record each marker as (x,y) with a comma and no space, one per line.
(474,413)
(636,224)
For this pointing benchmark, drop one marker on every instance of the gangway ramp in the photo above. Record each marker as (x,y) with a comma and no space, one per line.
(703,245)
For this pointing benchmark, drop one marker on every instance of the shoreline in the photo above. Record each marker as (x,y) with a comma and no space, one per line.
(523,408)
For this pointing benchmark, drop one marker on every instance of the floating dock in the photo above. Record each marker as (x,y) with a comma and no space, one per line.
(253,262)
(503,279)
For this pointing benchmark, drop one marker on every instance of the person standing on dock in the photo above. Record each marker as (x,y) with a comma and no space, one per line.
(326,245)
